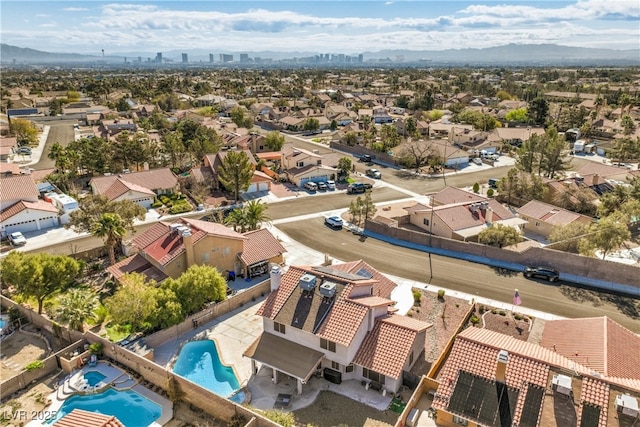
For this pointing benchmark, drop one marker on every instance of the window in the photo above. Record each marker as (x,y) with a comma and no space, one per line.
(349,368)
(335,365)
(299,164)
(460,421)
(373,375)
(425,221)
(278,327)
(411,358)
(328,345)
(537,224)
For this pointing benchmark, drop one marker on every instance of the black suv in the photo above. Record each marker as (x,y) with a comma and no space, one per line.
(551,274)
(356,188)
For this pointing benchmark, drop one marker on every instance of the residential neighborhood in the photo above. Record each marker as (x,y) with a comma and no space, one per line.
(234,247)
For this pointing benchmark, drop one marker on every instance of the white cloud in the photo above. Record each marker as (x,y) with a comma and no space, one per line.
(49,25)
(75,9)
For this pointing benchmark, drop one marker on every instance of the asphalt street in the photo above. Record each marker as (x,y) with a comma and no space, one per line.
(464,276)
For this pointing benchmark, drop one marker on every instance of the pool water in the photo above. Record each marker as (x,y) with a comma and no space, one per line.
(199,362)
(132,409)
(93,377)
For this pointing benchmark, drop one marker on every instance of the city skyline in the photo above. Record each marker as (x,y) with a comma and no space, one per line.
(311,26)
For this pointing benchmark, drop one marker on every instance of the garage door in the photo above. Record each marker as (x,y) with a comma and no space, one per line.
(319,178)
(23,227)
(48,223)
(252,188)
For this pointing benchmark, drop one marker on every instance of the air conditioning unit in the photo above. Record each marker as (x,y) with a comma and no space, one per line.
(328,289)
(562,384)
(627,405)
(308,282)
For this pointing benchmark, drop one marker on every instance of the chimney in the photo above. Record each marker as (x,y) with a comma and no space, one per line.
(187,240)
(501,367)
(596,179)
(275,274)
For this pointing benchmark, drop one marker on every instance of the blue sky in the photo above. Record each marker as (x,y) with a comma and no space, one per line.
(315,26)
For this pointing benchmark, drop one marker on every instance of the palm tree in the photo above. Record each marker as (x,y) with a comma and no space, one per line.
(237,219)
(255,213)
(110,227)
(76,306)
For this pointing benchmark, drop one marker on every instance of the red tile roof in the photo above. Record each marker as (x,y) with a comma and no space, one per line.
(20,187)
(598,342)
(22,205)
(596,393)
(274,302)
(214,228)
(156,179)
(81,418)
(449,195)
(260,245)
(120,187)
(550,214)
(388,345)
(136,264)
(343,322)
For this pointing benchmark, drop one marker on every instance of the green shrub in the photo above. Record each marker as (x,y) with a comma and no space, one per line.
(285,419)
(441,294)
(165,199)
(96,348)
(494,311)
(476,188)
(180,208)
(490,192)
(417,296)
(517,317)
(156,203)
(482,309)
(502,313)
(474,320)
(36,364)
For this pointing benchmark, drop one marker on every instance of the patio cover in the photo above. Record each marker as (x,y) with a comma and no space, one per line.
(475,230)
(286,356)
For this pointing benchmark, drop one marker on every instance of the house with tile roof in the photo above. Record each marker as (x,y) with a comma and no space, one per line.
(21,209)
(542,217)
(208,173)
(139,187)
(302,165)
(598,343)
(492,379)
(338,322)
(169,249)
(462,217)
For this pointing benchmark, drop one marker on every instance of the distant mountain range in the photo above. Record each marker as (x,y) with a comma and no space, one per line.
(511,54)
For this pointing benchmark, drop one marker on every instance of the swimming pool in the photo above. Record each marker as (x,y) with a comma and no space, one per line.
(93,377)
(199,362)
(132,409)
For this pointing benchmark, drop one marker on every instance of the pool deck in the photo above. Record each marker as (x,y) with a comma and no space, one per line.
(114,377)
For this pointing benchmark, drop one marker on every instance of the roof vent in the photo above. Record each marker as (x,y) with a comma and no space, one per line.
(503,356)
(174,227)
(308,282)
(328,289)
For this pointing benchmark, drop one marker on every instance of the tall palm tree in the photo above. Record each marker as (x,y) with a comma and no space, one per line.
(237,219)
(76,306)
(110,227)
(255,213)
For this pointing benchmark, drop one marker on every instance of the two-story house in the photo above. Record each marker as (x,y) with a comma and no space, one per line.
(338,322)
(542,218)
(301,166)
(169,249)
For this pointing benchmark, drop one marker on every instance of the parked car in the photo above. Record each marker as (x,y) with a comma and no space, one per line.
(548,273)
(331,185)
(367,186)
(493,182)
(356,188)
(17,239)
(477,161)
(311,186)
(24,150)
(373,173)
(333,221)
(322,186)
(365,158)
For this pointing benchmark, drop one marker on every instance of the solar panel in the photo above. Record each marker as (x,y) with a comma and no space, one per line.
(532,404)
(364,273)
(484,400)
(338,273)
(590,415)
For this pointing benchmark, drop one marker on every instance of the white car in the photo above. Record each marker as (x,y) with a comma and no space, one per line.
(477,161)
(333,221)
(17,239)
(331,185)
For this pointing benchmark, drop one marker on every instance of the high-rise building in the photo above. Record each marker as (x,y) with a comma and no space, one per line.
(211,58)
(244,58)
(224,58)
(185,58)
(158,59)
(361,58)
